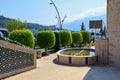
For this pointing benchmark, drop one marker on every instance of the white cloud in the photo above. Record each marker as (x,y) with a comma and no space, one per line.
(88,13)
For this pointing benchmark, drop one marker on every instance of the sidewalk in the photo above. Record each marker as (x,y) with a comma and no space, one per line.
(47,69)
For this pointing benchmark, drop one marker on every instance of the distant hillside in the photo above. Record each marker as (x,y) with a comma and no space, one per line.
(31,26)
(76,24)
(3,21)
(36,26)
(73,26)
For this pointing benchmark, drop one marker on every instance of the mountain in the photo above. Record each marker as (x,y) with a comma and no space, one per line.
(36,26)
(76,24)
(73,26)
(31,26)
(3,21)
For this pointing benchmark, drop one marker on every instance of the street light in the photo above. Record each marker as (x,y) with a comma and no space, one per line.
(59,18)
(63,19)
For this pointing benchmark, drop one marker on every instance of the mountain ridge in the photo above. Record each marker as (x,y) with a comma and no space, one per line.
(76,24)
(72,26)
(4,20)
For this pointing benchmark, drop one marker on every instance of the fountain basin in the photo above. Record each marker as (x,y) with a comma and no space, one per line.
(90,59)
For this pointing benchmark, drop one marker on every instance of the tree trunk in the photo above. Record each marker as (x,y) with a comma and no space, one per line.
(46,50)
(65,46)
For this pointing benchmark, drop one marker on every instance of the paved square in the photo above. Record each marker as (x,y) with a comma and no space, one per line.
(48,70)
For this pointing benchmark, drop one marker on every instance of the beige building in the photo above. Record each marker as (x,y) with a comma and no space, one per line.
(113,23)
(108,51)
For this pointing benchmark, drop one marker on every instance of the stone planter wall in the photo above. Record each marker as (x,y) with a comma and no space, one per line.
(38,54)
(15,59)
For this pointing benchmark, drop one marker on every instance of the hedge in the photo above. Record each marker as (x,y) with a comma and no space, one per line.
(65,37)
(77,37)
(46,39)
(57,44)
(24,37)
(86,36)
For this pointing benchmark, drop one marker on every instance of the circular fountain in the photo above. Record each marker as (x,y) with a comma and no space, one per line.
(77,56)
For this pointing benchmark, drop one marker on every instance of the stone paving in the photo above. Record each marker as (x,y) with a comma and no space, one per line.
(47,69)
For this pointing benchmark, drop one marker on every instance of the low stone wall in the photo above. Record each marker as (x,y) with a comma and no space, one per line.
(102,51)
(76,60)
(15,59)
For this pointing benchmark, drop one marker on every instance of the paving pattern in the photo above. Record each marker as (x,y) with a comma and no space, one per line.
(48,69)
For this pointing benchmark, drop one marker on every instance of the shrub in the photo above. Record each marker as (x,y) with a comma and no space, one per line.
(46,39)
(57,44)
(86,36)
(24,37)
(65,37)
(77,37)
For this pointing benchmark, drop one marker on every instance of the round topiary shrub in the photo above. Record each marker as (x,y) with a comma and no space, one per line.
(86,36)
(65,37)
(46,39)
(77,37)
(24,37)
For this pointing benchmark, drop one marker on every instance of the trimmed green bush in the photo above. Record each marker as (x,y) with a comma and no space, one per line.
(46,39)
(77,37)
(86,36)
(57,44)
(24,37)
(65,37)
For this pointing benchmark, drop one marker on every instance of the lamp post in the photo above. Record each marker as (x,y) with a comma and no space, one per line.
(59,18)
(63,19)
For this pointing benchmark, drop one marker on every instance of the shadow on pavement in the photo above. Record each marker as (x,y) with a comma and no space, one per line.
(103,73)
(97,72)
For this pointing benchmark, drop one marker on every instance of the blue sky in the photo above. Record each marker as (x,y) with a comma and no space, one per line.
(39,11)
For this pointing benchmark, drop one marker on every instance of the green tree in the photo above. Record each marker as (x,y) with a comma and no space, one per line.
(65,37)
(16,25)
(82,26)
(77,37)
(101,31)
(24,37)
(57,44)
(104,31)
(86,36)
(46,39)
